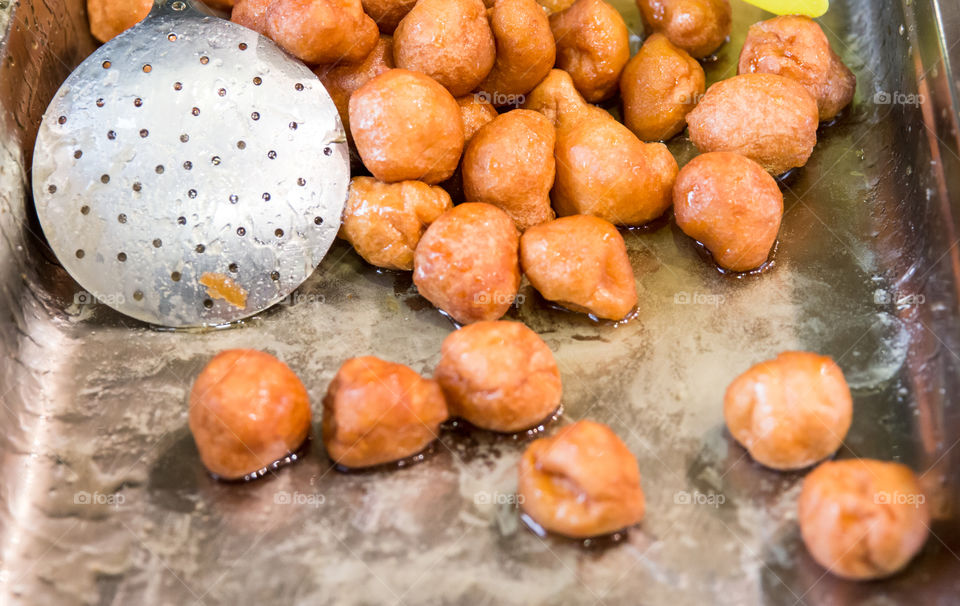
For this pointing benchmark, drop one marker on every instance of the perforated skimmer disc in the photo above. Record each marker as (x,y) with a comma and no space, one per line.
(189,172)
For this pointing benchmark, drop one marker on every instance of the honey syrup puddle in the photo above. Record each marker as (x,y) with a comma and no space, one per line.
(414,459)
(299,453)
(599,543)
(766,267)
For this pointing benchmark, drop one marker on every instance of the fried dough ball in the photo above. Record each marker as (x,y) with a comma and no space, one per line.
(583,482)
(660,86)
(388,13)
(770,119)
(322,31)
(247,411)
(605,171)
(557,98)
(377,412)
(526,50)
(499,376)
(343,79)
(384,221)
(796,47)
(697,26)
(602,168)
(581,263)
(593,46)
(467,263)
(791,411)
(110,18)
(509,163)
(449,40)
(406,127)
(476,112)
(251,14)
(863,519)
(732,206)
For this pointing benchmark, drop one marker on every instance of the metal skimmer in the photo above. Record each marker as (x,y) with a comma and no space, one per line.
(190,172)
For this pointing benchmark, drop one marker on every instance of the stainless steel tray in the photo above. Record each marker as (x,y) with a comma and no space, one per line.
(103,499)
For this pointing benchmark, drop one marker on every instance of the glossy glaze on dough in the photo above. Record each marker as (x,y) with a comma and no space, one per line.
(110,18)
(387,13)
(525,50)
(602,168)
(699,27)
(476,111)
(448,40)
(580,262)
(343,79)
(321,31)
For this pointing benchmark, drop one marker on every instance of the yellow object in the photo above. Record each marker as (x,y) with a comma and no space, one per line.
(810,8)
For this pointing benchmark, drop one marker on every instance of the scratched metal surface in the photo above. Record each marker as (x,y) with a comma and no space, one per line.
(103,500)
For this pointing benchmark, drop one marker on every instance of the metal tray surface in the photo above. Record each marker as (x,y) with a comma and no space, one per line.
(103,499)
